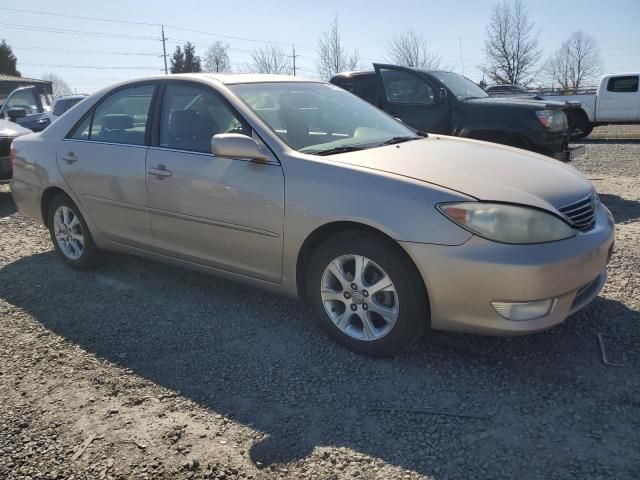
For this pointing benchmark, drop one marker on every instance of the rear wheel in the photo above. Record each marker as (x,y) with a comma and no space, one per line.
(70,234)
(367,294)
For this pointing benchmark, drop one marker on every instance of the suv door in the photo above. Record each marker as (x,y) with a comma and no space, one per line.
(103,161)
(220,212)
(28,99)
(412,98)
(619,101)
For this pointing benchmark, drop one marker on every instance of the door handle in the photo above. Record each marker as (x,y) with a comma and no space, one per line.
(69,157)
(160,172)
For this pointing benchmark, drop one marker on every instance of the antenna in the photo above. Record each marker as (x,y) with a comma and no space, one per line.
(462,63)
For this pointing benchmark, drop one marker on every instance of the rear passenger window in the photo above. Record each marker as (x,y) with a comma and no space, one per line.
(122,117)
(623,84)
(191,115)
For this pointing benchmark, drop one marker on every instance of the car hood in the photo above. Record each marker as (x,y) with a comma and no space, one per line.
(485,171)
(10,129)
(524,102)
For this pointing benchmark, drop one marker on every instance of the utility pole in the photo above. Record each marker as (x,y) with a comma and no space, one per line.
(294,59)
(164,51)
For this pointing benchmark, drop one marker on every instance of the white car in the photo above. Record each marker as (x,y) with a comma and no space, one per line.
(617,100)
(63,103)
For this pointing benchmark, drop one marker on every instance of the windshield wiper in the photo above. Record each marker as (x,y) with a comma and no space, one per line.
(342,149)
(395,140)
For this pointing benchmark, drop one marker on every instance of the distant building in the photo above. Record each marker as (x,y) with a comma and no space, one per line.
(8,83)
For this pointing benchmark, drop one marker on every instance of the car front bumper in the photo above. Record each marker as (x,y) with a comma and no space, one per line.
(463,281)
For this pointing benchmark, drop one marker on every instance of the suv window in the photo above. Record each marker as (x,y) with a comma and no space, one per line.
(405,87)
(60,107)
(623,84)
(191,115)
(122,116)
(23,99)
(364,86)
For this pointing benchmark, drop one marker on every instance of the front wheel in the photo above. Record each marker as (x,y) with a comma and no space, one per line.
(367,294)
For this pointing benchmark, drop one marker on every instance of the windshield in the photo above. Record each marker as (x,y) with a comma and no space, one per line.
(317,117)
(462,87)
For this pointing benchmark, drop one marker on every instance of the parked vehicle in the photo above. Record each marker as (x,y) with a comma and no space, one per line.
(617,101)
(63,103)
(506,90)
(444,102)
(27,107)
(8,131)
(304,189)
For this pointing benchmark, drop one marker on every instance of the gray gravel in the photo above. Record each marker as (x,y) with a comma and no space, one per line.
(140,370)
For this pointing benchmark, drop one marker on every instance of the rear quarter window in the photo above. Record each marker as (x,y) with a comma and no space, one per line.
(623,84)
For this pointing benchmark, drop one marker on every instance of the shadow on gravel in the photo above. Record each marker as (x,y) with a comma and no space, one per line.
(623,210)
(451,404)
(7,207)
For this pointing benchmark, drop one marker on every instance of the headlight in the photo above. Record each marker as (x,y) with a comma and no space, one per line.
(507,223)
(554,120)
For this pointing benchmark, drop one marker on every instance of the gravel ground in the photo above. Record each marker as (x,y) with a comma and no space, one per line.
(140,370)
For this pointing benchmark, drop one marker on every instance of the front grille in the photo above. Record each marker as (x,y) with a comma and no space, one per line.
(5,144)
(581,213)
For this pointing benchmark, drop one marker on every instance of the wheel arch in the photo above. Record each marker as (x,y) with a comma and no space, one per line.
(323,232)
(45,200)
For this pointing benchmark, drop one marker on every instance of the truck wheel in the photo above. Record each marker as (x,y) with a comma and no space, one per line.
(579,125)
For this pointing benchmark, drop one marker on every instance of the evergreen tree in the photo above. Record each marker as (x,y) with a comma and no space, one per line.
(177,61)
(191,60)
(8,60)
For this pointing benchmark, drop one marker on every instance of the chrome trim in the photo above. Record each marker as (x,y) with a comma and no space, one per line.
(581,213)
(215,223)
(211,155)
(114,203)
(104,143)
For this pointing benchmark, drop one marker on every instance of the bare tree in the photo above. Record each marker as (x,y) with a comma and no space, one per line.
(333,57)
(411,49)
(575,63)
(60,87)
(216,58)
(270,59)
(511,47)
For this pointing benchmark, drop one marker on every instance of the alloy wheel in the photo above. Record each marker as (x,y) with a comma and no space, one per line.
(359,297)
(68,232)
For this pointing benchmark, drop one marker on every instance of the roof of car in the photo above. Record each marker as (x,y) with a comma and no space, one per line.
(71,96)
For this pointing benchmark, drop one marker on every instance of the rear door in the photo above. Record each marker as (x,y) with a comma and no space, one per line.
(619,100)
(410,97)
(103,161)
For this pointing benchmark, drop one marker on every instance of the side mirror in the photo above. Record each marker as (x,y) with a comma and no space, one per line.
(235,145)
(16,113)
(443,95)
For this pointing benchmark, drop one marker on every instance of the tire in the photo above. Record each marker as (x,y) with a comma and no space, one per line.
(66,227)
(581,127)
(397,315)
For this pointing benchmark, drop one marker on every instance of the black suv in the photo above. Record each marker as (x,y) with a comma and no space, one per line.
(443,102)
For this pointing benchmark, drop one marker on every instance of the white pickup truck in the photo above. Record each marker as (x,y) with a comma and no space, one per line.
(617,100)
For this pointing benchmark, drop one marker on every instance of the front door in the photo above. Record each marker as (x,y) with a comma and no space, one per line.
(220,212)
(103,161)
(619,101)
(413,99)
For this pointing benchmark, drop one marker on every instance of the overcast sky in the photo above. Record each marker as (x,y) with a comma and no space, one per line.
(365,26)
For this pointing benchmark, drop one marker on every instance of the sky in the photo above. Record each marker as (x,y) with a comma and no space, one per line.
(91,54)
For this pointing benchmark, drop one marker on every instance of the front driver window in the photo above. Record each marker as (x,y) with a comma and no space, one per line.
(191,115)
(406,88)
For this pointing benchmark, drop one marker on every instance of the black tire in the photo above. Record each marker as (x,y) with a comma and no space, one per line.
(580,125)
(90,256)
(413,312)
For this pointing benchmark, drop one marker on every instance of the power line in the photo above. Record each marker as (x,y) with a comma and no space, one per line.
(82,52)
(93,67)
(76,32)
(80,17)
